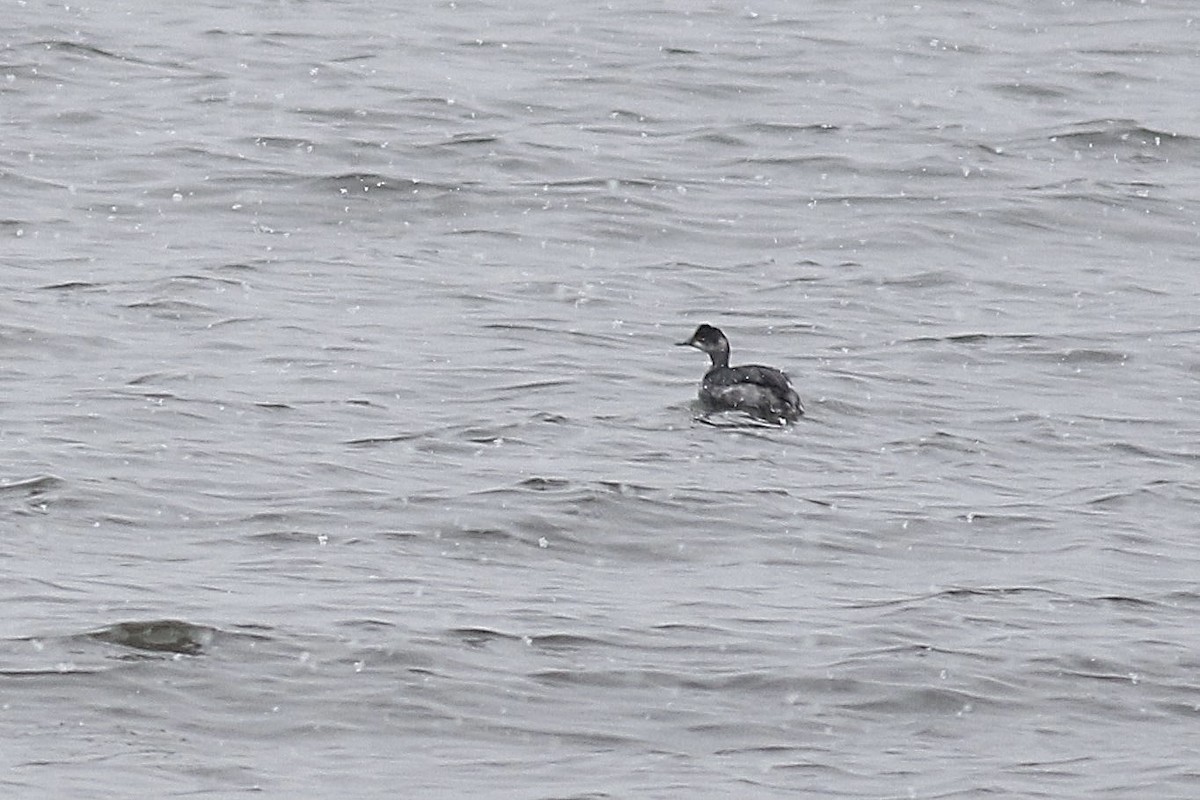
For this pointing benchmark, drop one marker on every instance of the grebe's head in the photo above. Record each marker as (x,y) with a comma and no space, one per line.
(708,339)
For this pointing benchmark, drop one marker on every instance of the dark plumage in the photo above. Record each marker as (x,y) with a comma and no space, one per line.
(762,392)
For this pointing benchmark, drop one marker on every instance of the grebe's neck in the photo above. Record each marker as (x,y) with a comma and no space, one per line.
(720,356)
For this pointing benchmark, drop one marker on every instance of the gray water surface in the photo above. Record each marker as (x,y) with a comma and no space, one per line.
(346,451)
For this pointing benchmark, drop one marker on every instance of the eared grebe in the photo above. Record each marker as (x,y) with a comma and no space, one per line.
(762,392)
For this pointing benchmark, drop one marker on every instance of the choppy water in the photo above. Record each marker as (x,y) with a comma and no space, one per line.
(345,451)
